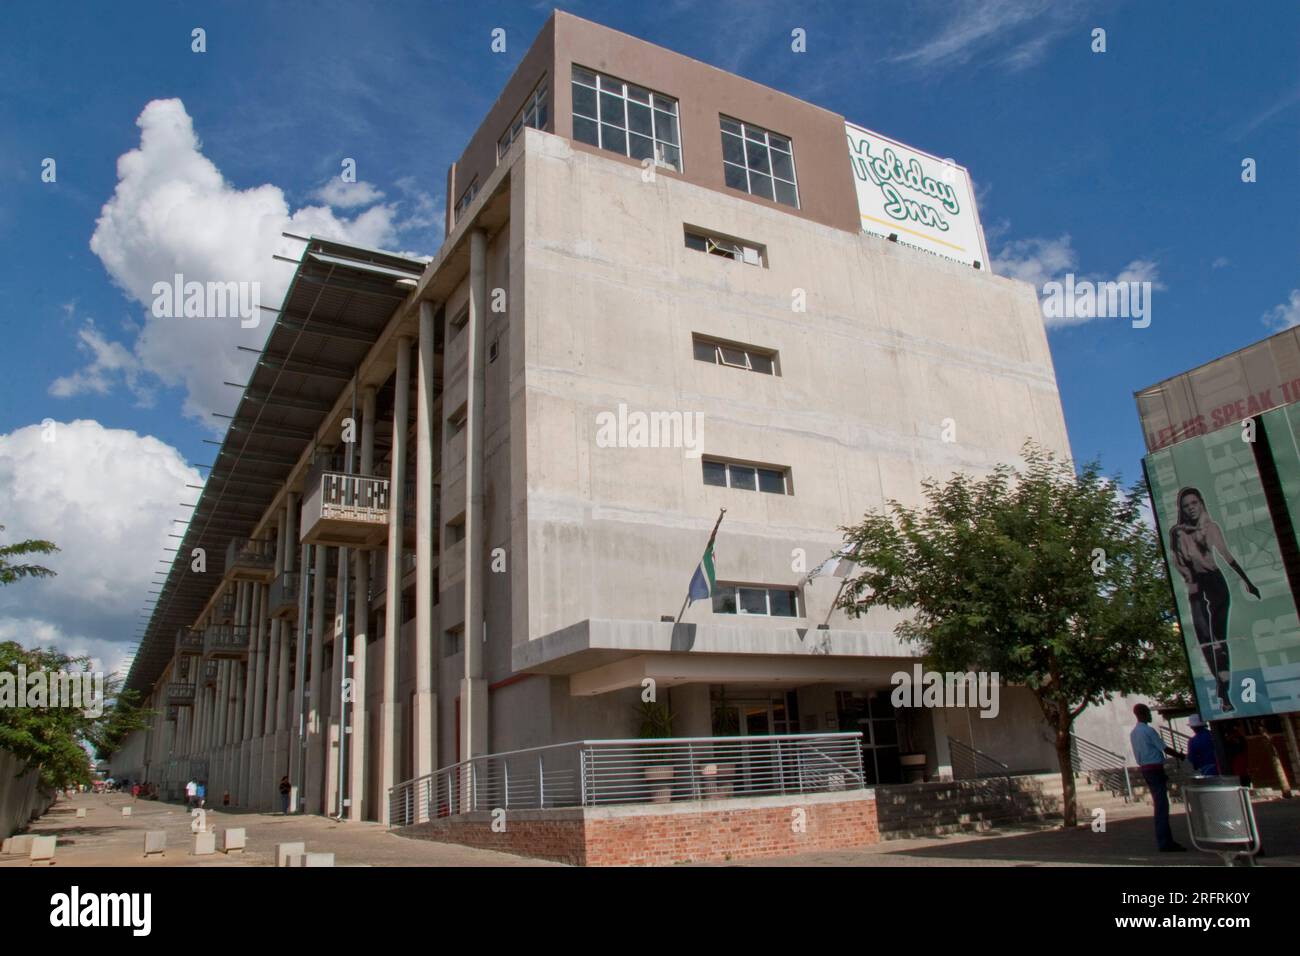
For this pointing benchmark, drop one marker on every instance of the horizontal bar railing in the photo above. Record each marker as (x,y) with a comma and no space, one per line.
(249,553)
(189,640)
(225,640)
(609,772)
(1104,766)
(969,763)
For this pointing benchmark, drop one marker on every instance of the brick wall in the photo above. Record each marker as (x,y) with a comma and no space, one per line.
(672,833)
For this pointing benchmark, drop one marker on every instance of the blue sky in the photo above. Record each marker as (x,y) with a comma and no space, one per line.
(1125,162)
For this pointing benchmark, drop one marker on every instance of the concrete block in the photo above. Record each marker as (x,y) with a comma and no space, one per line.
(295,859)
(81,813)
(126,811)
(234,840)
(285,850)
(155,841)
(205,844)
(317,859)
(21,845)
(42,850)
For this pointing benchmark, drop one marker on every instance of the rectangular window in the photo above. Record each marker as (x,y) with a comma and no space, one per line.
(732,474)
(748,357)
(459,322)
(534,114)
(758,162)
(454,640)
(726,247)
(756,600)
(466,198)
(456,420)
(625,118)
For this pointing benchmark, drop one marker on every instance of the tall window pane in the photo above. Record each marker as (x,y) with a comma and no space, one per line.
(758,161)
(631,120)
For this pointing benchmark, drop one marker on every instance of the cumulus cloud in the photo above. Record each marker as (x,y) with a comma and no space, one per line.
(1039,261)
(110,364)
(173,212)
(345,195)
(101,495)
(1284,316)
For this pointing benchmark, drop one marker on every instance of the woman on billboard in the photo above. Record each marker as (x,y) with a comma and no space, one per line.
(1193,542)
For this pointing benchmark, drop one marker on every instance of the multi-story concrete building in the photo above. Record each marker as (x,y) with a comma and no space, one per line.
(504,548)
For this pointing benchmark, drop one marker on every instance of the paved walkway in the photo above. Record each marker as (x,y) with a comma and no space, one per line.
(1129,840)
(106,838)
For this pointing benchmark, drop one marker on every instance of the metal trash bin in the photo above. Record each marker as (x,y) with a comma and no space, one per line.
(1221,819)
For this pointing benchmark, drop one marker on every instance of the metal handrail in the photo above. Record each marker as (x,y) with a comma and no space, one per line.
(606,772)
(963,752)
(1104,765)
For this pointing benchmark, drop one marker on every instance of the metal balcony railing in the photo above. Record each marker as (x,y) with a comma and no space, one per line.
(283,599)
(210,671)
(180,695)
(189,640)
(608,772)
(225,607)
(225,640)
(247,555)
(354,497)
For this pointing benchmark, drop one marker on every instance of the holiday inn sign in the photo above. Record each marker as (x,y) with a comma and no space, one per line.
(918,199)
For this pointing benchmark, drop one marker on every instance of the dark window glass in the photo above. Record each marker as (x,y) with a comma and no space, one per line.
(671,155)
(639,119)
(613,138)
(700,244)
(742,476)
(640,147)
(584,131)
(771,481)
(584,76)
(757,156)
(611,109)
(735,176)
(782,166)
(733,149)
(733,356)
(584,101)
(753,601)
(715,473)
(666,127)
(760,363)
(724,601)
(785,193)
(730,126)
(783,603)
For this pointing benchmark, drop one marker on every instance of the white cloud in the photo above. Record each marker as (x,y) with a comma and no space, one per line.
(1039,261)
(1219,262)
(173,212)
(1036,261)
(110,363)
(344,195)
(102,496)
(109,657)
(1284,316)
(1013,33)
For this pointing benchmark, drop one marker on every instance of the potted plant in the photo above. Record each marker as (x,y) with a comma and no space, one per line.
(656,723)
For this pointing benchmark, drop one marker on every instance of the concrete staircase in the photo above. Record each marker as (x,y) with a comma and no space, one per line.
(964,806)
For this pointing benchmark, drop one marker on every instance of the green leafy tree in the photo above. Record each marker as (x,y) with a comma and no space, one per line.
(1048,577)
(10,572)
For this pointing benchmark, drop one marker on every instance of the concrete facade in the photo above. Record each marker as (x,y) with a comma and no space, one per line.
(523,578)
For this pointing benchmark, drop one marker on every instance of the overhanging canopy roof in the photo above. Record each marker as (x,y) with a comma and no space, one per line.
(339,301)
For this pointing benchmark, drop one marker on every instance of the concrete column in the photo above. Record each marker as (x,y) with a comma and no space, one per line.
(393,579)
(337,670)
(298,743)
(425,718)
(272,678)
(315,738)
(357,749)
(473,689)
(250,672)
(259,662)
(942,752)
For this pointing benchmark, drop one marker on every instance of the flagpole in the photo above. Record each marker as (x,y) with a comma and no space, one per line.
(713,534)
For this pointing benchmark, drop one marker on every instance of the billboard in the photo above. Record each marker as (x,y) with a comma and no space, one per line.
(924,201)
(1223,392)
(1235,605)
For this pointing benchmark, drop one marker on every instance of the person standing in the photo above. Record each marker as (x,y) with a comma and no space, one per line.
(285,788)
(1149,751)
(191,794)
(1200,749)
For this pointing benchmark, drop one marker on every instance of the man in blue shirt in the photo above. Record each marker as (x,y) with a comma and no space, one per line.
(1200,749)
(1149,751)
